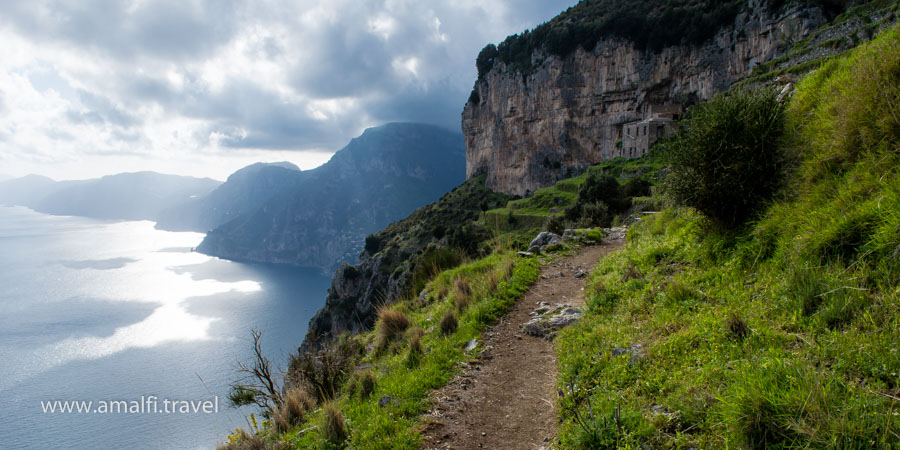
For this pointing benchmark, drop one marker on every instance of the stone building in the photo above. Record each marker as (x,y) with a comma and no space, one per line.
(639,136)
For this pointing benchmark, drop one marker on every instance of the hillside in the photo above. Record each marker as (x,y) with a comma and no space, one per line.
(125,196)
(778,331)
(243,192)
(379,177)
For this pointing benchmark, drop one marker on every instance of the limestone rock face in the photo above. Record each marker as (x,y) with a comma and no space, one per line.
(529,132)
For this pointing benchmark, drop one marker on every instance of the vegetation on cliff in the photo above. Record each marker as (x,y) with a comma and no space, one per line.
(780,333)
(648,24)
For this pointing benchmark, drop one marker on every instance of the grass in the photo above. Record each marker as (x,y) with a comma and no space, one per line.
(781,334)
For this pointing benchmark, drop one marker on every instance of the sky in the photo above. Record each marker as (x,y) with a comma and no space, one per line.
(205,87)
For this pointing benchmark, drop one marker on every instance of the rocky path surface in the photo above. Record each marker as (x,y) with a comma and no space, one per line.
(506,399)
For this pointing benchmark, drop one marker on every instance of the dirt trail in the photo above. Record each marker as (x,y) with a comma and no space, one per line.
(507,399)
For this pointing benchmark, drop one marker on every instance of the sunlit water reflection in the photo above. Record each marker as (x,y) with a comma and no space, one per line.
(95,310)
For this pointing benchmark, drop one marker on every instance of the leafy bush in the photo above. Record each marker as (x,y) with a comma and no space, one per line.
(636,187)
(728,161)
(600,197)
(555,224)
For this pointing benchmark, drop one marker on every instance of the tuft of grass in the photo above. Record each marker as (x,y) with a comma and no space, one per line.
(294,410)
(462,290)
(391,325)
(363,384)
(415,351)
(449,323)
(242,440)
(333,426)
(737,327)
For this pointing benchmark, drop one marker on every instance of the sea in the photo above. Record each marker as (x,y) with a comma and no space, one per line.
(111,312)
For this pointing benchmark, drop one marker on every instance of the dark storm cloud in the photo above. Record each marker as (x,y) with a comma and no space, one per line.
(418,67)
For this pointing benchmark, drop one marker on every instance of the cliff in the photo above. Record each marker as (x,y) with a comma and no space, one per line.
(323,219)
(527,129)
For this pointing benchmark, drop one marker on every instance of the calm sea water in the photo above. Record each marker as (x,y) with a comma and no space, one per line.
(99,311)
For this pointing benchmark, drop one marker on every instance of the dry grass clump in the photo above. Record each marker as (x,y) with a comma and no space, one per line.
(293,412)
(391,325)
(449,323)
(462,293)
(333,426)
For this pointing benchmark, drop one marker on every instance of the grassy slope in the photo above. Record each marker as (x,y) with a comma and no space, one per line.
(496,282)
(530,213)
(784,334)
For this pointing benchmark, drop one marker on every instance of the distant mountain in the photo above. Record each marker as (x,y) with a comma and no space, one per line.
(4,177)
(27,191)
(244,192)
(126,196)
(379,177)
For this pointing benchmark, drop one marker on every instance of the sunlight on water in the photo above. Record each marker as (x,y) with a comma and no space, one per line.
(135,263)
(93,310)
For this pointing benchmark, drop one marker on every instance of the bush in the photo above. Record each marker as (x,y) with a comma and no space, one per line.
(727,162)
(599,199)
(321,372)
(555,225)
(373,244)
(391,325)
(485,60)
(636,187)
(595,215)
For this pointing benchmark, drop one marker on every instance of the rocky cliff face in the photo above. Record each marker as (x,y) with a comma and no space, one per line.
(527,132)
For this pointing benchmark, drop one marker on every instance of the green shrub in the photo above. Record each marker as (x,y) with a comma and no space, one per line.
(600,197)
(636,187)
(595,215)
(728,161)
(555,224)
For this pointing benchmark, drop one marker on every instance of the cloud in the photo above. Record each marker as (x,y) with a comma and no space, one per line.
(180,82)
